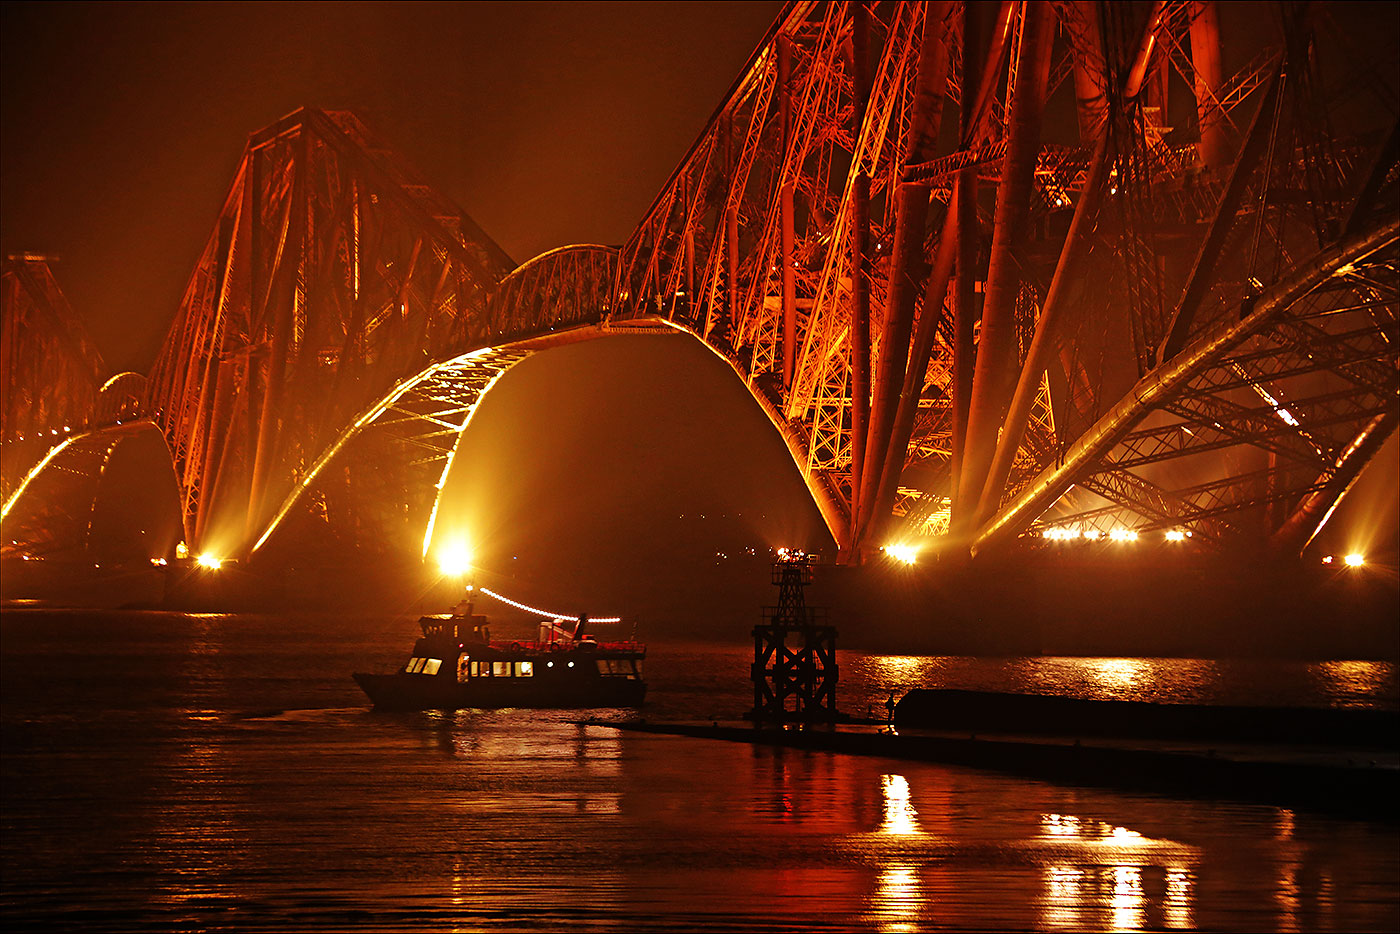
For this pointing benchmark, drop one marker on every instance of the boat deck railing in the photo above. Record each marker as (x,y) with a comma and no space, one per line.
(564,645)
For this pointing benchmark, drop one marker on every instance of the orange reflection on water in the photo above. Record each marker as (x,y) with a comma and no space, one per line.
(900,819)
(1116,674)
(1349,681)
(1176,904)
(1063,905)
(1128,901)
(1287,895)
(1096,880)
(1060,825)
(1285,824)
(897,900)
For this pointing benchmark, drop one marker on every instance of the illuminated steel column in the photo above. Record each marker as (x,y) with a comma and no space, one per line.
(996,351)
(1214,147)
(1081,20)
(1203,271)
(283,295)
(908,268)
(1090,61)
(731,228)
(965,309)
(785,201)
(1047,326)
(860,262)
(1312,513)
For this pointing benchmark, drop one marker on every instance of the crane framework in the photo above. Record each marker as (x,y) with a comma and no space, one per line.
(964,322)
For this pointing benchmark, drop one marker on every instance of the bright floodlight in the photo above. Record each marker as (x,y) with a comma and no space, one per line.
(455,560)
(908,554)
(1355,560)
(212,562)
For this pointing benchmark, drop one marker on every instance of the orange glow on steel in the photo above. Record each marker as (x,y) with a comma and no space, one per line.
(370,415)
(34,472)
(103,388)
(471,413)
(554,616)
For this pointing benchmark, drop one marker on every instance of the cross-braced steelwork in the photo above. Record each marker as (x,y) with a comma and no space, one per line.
(964,321)
(50,373)
(385,485)
(332,273)
(1294,397)
(377,486)
(931,326)
(50,512)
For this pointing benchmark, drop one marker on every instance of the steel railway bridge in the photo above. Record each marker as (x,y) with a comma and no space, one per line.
(965,327)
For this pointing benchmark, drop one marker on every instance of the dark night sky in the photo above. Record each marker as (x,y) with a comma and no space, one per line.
(550,123)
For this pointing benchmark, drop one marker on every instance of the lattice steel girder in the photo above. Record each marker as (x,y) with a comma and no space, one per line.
(49,369)
(1277,358)
(1161,507)
(455,386)
(51,509)
(333,271)
(1166,442)
(783,151)
(1092,452)
(416,429)
(1211,500)
(1203,509)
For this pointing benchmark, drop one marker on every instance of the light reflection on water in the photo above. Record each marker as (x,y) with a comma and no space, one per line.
(1109,874)
(197,808)
(901,820)
(1348,683)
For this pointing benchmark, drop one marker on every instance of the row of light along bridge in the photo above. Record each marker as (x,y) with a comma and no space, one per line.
(967,323)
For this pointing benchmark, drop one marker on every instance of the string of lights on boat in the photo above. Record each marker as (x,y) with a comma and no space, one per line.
(554,616)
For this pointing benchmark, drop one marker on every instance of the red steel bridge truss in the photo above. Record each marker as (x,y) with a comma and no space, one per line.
(964,321)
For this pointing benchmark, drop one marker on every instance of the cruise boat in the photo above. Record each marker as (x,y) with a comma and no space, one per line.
(456,664)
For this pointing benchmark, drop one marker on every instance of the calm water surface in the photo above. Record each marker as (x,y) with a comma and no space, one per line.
(212,772)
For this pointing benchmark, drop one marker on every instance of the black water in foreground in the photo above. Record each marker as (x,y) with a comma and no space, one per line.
(177,771)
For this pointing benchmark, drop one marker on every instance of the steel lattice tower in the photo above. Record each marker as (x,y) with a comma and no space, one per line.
(794,657)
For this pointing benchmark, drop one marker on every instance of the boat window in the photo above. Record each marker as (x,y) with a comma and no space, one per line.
(500,669)
(431,666)
(463,663)
(616,668)
(526,669)
(411,663)
(415,665)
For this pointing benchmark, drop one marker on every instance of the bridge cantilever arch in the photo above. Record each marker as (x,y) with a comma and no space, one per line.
(968,324)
